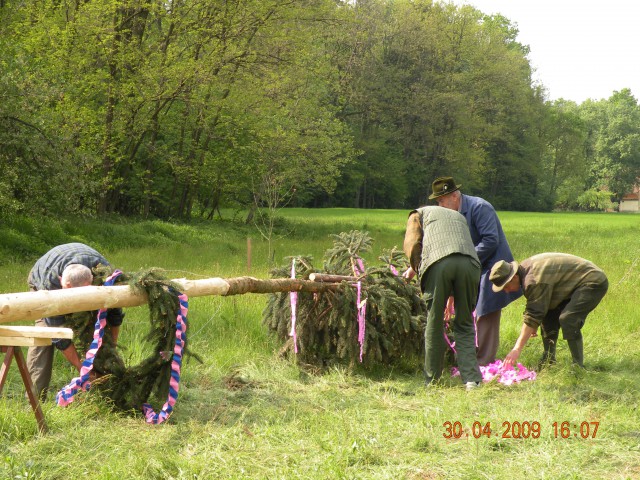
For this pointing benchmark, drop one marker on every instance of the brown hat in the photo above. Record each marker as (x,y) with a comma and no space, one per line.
(443,186)
(502,273)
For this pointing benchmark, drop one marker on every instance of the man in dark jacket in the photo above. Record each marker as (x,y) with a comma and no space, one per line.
(561,290)
(441,252)
(491,246)
(65,266)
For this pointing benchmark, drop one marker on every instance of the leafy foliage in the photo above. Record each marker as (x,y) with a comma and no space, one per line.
(174,110)
(594,200)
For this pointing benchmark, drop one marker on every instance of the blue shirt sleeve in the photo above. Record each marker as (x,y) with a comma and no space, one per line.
(485,222)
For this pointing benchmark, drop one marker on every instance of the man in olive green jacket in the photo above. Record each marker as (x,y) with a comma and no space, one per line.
(440,250)
(561,290)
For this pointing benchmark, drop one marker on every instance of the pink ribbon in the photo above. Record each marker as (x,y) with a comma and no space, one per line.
(176,365)
(362,310)
(361,305)
(449,312)
(82,383)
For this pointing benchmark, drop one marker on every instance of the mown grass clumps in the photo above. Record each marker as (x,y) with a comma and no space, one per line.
(247,412)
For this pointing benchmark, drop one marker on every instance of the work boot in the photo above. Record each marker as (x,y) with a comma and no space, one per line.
(549,352)
(471,386)
(575,346)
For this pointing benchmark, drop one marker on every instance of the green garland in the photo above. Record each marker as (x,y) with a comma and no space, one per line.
(128,387)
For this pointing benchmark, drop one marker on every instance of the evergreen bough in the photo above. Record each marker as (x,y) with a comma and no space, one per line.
(326,323)
(128,387)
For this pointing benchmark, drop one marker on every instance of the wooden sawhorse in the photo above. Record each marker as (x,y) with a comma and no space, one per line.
(12,339)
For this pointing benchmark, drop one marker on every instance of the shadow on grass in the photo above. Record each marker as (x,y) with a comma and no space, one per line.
(243,398)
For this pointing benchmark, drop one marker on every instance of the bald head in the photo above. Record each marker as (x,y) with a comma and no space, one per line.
(76,275)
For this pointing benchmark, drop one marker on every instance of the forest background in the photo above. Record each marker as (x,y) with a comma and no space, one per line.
(176,109)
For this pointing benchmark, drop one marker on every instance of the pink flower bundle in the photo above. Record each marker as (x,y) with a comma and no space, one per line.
(506,376)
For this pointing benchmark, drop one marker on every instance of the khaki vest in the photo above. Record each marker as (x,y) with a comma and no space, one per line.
(445,232)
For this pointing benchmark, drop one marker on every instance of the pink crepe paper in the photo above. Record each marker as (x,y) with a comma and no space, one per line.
(361,305)
(496,371)
(357,266)
(475,326)
(362,310)
(449,313)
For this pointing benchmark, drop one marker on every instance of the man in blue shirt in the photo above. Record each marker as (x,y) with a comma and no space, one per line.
(491,246)
(65,266)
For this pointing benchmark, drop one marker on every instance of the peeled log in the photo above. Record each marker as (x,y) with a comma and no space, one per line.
(47,303)
(326,277)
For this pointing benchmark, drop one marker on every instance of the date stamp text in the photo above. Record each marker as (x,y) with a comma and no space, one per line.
(454,430)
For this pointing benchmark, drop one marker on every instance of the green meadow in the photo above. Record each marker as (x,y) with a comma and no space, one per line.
(247,413)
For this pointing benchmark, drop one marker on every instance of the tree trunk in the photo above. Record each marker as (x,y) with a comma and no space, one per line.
(326,277)
(250,214)
(47,303)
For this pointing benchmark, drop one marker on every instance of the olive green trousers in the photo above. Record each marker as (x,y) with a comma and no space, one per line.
(456,275)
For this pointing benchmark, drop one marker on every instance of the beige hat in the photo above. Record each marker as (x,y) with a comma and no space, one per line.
(502,273)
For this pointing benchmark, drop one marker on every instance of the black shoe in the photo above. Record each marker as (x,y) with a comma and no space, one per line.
(575,346)
(546,361)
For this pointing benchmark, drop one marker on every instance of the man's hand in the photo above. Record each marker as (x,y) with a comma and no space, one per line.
(449,310)
(511,359)
(409,273)
(525,334)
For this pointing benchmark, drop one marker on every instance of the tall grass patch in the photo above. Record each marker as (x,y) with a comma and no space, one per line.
(247,412)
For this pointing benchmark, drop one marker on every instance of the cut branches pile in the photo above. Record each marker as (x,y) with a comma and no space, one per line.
(327,328)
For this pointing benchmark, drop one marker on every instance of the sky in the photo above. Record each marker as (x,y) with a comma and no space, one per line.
(580,49)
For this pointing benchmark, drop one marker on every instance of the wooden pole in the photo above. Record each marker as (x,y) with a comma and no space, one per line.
(47,303)
(326,277)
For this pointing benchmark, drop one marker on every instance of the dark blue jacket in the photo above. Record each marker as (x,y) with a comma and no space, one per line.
(491,246)
(45,275)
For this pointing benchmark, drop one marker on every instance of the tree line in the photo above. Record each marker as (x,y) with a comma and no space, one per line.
(177,108)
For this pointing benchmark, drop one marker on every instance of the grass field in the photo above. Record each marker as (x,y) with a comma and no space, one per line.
(247,413)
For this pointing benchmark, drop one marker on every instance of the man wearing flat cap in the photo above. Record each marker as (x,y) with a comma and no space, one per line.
(440,251)
(561,290)
(491,246)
